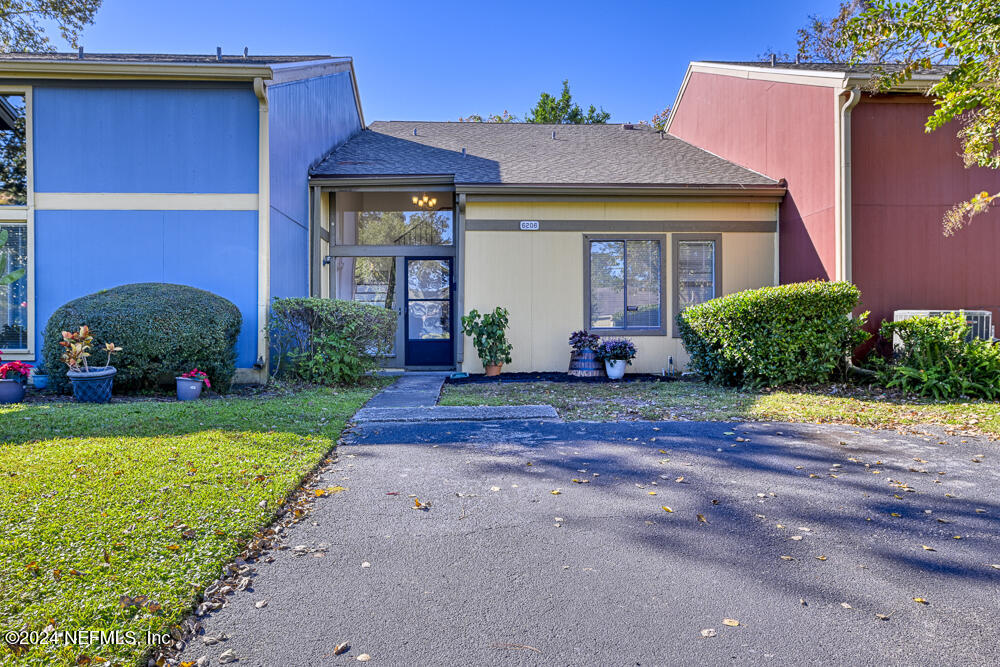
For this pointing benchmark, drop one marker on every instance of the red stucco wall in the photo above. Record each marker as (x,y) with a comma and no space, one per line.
(783,131)
(903,181)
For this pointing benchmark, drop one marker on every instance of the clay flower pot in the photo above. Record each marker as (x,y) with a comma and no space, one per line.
(493,370)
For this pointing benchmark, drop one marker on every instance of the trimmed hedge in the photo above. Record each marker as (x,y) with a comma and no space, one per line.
(329,341)
(163,329)
(800,332)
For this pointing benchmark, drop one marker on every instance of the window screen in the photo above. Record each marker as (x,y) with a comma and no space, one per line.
(695,272)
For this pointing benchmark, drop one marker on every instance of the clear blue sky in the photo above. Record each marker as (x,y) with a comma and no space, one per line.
(442,60)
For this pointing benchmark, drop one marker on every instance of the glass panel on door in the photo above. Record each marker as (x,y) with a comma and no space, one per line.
(428,312)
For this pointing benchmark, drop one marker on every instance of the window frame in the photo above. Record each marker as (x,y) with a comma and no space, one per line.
(24,214)
(675,243)
(626,331)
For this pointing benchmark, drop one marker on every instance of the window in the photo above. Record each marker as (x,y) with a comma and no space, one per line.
(15,223)
(13,286)
(395,218)
(697,270)
(624,285)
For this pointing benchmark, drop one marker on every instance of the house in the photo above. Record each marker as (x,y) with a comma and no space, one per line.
(255,177)
(606,227)
(867,186)
(122,168)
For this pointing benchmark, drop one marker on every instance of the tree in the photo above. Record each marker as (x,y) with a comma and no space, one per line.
(492,118)
(564,110)
(658,121)
(22,22)
(819,39)
(964,34)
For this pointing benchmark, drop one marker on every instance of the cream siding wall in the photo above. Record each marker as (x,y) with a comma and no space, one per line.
(538,275)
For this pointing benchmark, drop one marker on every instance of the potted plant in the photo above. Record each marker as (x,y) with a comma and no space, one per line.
(90,385)
(616,353)
(488,336)
(582,361)
(40,376)
(13,375)
(190,384)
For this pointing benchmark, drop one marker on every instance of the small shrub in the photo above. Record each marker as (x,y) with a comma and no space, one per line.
(801,332)
(329,341)
(163,330)
(489,337)
(938,360)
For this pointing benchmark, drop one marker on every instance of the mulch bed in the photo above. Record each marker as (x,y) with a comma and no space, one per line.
(558,377)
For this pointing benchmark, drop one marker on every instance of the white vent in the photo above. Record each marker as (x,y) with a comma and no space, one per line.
(980,321)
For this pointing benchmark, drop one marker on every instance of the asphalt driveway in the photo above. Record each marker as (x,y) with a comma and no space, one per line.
(547,543)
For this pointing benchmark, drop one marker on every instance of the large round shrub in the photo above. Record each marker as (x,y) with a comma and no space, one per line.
(163,330)
(772,336)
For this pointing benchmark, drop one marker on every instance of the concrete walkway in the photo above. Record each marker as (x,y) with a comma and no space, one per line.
(413,398)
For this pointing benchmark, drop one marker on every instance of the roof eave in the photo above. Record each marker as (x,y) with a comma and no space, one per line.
(106,69)
(762,191)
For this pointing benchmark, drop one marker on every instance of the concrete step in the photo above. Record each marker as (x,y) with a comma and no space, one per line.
(444,413)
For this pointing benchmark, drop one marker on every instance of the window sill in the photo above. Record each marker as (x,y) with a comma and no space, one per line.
(629,332)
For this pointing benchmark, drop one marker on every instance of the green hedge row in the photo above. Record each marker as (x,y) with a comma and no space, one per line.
(801,332)
(163,329)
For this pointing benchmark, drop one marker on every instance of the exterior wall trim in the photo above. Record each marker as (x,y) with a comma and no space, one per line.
(144,201)
(626,226)
(263,227)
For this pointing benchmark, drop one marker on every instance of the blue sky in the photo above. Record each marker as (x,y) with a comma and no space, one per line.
(442,60)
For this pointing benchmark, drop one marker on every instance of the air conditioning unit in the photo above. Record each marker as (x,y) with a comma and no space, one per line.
(980,321)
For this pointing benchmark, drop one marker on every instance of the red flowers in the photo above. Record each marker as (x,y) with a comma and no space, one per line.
(12,369)
(195,374)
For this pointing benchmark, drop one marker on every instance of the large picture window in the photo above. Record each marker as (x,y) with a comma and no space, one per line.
(697,270)
(625,285)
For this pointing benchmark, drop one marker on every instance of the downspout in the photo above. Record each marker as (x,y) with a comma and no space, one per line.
(263,227)
(843,231)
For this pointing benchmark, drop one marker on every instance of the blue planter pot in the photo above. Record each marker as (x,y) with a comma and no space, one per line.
(40,381)
(11,391)
(189,389)
(93,386)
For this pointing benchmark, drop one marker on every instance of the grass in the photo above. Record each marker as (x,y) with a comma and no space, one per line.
(699,401)
(142,499)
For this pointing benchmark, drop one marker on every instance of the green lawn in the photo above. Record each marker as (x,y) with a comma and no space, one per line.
(699,401)
(143,499)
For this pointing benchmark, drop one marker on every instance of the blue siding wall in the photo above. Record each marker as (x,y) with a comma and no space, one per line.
(145,139)
(307,119)
(135,137)
(211,250)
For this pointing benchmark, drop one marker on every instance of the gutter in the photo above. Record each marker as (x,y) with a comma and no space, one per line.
(263,227)
(843,203)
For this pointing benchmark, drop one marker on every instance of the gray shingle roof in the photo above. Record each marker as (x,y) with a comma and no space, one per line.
(158,58)
(862,69)
(526,153)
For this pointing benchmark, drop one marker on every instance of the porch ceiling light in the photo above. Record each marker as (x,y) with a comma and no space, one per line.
(425,201)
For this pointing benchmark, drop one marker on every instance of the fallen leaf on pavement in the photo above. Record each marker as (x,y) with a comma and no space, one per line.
(884,617)
(666,509)
(709,632)
(731,622)
(260,604)
(702,519)
(556,492)
(846,606)
(820,557)
(340,648)
(920,601)
(927,548)
(364,657)
(787,558)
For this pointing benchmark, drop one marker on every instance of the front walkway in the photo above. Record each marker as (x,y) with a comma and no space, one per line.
(413,398)
(628,543)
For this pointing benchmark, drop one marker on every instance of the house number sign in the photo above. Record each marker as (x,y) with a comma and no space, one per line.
(529,225)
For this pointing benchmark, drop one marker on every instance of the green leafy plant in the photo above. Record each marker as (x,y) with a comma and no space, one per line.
(616,349)
(488,333)
(938,359)
(329,341)
(5,277)
(801,332)
(583,340)
(164,329)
